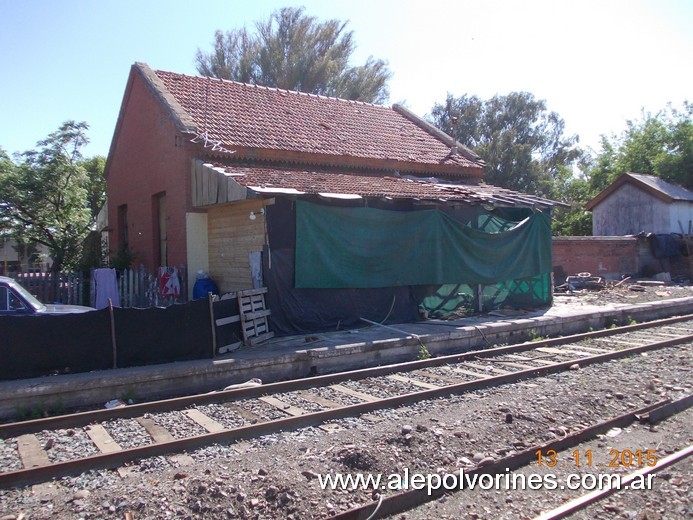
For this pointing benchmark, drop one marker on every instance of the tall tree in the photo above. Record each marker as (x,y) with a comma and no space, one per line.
(294,51)
(658,144)
(523,144)
(52,195)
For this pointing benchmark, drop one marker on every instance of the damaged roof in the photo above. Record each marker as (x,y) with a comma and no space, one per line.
(251,121)
(219,183)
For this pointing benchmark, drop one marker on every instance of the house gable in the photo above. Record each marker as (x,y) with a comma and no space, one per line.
(654,186)
(147,175)
(637,203)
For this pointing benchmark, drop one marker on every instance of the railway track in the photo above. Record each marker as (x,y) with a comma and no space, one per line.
(652,414)
(182,424)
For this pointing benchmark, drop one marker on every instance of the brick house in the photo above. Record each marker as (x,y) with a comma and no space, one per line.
(236,180)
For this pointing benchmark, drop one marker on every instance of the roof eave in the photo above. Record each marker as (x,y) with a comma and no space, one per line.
(623,179)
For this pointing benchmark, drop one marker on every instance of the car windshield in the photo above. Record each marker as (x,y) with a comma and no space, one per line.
(28,297)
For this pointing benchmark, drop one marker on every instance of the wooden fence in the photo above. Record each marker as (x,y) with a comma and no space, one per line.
(143,289)
(136,287)
(69,288)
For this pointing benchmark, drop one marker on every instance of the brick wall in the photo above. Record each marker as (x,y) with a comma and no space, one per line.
(149,157)
(608,257)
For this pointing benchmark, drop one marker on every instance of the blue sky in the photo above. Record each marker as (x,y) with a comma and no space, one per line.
(596,63)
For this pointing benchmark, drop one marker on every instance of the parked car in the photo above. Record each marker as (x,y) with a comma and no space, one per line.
(16,300)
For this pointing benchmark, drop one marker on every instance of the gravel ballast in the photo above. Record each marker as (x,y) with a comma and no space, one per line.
(276,476)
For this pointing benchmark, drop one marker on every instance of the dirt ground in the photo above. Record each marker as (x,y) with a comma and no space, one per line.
(278,475)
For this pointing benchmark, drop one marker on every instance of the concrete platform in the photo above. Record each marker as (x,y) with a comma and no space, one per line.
(294,357)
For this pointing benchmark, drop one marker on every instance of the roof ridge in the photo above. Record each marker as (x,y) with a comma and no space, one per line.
(273,89)
(436,132)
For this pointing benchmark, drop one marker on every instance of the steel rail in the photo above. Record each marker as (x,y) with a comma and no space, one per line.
(115,459)
(407,500)
(136,410)
(585,500)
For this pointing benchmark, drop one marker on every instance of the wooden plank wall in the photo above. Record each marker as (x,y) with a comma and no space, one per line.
(210,186)
(232,237)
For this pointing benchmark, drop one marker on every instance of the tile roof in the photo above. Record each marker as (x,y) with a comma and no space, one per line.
(269,180)
(240,116)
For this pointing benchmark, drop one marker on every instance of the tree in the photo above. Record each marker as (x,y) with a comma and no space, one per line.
(659,144)
(294,51)
(523,144)
(52,196)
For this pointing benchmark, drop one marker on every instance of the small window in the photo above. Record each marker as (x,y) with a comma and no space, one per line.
(3,299)
(15,303)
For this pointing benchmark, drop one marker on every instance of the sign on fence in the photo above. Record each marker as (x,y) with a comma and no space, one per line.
(143,289)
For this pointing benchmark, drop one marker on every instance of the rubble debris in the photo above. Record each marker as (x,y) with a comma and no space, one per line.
(585,281)
(114,403)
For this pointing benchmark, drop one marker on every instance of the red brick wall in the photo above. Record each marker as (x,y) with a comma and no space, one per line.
(609,257)
(149,156)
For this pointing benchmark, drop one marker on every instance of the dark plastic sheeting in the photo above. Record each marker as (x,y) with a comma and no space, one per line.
(305,311)
(33,346)
(176,333)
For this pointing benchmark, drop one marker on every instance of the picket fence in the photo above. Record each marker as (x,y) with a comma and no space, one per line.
(69,287)
(136,288)
(141,288)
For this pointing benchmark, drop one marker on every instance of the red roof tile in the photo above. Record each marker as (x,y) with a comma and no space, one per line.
(247,116)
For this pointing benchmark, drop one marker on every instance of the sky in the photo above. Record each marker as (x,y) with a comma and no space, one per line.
(597,64)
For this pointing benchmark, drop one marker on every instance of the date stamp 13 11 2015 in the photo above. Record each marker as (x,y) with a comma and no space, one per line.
(586,458)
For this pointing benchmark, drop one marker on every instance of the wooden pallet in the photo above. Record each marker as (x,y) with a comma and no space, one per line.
(253,316)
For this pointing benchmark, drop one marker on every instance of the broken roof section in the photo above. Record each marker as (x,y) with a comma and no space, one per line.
(218,183)
(261,123)
(259,141)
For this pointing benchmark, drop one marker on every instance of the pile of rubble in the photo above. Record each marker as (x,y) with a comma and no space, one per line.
(585,281)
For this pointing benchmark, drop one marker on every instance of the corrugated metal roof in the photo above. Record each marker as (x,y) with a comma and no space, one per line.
(655,186)
(674,191)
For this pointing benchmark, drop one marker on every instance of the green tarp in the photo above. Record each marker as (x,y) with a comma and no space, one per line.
(347,247)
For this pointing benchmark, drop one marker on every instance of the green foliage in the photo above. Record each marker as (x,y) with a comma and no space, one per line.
(40,411)
(573,220)
(533,336)
(423,353)
(521,142)
(51,196)
(96,183)
(293,51)
(525,150)
(123,258)
(659,144)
